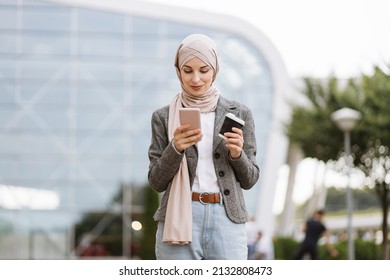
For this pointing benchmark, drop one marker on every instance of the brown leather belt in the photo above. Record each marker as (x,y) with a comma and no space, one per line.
(206,198)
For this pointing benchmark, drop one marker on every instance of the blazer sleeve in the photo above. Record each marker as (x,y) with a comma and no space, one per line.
(245,168)
(164,159)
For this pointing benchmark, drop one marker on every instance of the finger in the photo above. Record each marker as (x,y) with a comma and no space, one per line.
(234,144)
(236,133)
(237,130)
(181,129)
(234,139)
(194,135)
(192,132)
(188,138)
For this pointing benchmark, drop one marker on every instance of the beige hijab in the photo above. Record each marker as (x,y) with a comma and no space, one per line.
(178,219)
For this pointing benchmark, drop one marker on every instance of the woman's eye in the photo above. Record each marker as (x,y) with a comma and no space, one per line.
(204,71)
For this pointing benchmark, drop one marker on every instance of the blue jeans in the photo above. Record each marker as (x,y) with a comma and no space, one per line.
(214,237)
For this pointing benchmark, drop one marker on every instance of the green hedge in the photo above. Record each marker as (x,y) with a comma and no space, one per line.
(285,248)
(364,250)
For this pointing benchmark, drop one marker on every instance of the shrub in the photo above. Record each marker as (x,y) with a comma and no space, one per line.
(285,248)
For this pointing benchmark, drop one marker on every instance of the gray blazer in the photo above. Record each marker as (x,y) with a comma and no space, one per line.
(233,175)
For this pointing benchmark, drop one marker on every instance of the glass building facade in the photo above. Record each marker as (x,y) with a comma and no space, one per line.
(78,86)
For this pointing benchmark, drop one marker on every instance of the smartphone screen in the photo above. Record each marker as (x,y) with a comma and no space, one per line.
(190,116)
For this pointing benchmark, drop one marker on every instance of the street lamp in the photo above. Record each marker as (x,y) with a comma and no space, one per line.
(346,119)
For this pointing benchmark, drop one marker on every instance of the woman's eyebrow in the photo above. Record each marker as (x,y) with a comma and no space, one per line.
(204,66)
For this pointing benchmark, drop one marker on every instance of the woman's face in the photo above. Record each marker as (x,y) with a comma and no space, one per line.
(196,76)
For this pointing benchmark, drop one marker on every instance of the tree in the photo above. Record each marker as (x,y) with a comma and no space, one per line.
(364,198)
(312,129)
(375,162)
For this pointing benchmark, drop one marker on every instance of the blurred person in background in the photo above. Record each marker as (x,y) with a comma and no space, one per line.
(251,234)
(264,247)
(314,229)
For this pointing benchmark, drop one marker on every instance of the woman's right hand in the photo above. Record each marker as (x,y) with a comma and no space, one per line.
(185,137)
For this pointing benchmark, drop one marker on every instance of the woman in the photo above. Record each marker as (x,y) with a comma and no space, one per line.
(202,213)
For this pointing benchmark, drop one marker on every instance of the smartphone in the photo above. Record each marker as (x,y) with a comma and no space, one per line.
(190,116)
(230,121)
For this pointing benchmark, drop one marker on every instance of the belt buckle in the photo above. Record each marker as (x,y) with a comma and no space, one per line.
(200,198)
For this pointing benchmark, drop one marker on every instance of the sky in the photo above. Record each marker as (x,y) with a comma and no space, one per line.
(315,38)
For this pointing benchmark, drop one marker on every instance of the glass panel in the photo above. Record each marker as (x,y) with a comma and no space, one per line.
(41,93)
(7,69)
(46,43)
(32,168)
(100,46)
(41,4)
(96,71)
(32,143)
(7,17)
(43,18)
(145,46)
(8,43)
(8,2)
(34,235)
(7,95)
(107,146)
(97,21)
(145,27)
(45,69)
(96,92)
(96,197)
(98,120)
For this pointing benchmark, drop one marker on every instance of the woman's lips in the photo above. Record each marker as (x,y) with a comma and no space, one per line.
(196,87)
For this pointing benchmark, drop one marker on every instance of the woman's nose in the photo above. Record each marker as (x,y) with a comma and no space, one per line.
(195,77)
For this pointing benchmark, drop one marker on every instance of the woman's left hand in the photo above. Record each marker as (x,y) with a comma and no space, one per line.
(235,142)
